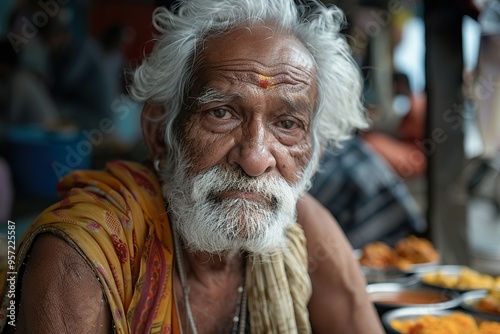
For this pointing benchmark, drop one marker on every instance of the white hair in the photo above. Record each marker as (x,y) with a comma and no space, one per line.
(167,73)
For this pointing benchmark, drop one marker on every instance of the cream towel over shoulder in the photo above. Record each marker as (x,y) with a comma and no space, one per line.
(279,288)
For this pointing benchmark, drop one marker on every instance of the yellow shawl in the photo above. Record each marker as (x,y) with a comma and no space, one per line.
(116,219)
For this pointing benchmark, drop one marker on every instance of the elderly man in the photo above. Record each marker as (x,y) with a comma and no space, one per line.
(242,95)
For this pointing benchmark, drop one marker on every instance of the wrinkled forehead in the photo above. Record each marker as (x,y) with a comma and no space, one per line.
(262,55)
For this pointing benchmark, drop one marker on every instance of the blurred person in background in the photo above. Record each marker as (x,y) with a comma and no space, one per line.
(77,74)
(112,42)
(24,96)
(70,68)
(404,151)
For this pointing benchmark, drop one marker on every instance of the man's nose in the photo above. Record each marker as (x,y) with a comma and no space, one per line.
(252,152)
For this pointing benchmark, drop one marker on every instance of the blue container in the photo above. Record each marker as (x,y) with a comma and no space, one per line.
(39,158)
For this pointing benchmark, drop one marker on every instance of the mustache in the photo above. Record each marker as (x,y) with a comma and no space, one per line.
(238,181)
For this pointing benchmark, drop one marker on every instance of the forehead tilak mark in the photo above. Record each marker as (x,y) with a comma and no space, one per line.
(265,81)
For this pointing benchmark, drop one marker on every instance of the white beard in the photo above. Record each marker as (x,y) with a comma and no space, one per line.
(209,222)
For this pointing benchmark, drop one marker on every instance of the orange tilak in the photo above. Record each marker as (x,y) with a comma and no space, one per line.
(265,81)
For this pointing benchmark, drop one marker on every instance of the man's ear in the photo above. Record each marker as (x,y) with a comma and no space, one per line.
(153,129)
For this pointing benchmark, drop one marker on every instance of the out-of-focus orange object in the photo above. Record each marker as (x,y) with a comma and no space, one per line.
(455,323)
(407,252)
(377,255)
(416,250)
(490,303)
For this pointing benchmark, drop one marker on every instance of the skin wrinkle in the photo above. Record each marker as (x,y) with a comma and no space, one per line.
(252,73)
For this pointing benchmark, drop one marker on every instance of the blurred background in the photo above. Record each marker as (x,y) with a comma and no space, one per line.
(428,165)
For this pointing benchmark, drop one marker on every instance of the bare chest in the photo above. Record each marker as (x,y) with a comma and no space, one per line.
(213,308)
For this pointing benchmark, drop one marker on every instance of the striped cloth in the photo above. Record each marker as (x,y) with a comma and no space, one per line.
(279,288)
(367,198)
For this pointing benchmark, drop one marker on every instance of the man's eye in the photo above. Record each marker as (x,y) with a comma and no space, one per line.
(220,113)
(288,125)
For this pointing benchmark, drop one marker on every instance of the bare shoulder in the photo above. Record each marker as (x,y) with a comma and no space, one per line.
(321,228)
(339,303)
(60,292)
(311,213)
(328,248)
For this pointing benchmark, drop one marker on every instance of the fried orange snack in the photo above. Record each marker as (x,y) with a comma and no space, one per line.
(408,251)
(416,250)
(377,255)
(454,323)
(489,327)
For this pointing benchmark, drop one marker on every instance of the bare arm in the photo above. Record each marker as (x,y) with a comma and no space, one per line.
(339,303)
(60,292)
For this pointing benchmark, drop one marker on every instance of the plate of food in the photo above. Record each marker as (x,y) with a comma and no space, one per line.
(459,278)
(385,275)
(407,255)
(432,321)
(388,296)
(483,303)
